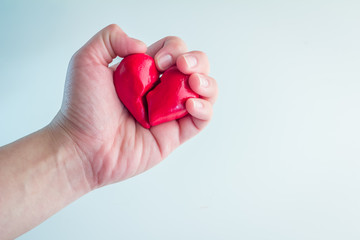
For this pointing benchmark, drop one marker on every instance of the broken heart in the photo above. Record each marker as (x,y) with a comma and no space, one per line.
(150,99)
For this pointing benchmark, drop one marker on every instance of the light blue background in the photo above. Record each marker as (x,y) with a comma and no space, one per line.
(280,159)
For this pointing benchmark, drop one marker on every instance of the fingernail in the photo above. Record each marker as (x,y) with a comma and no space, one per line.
(198,104)
(190,60)
(165,61)
(203,81)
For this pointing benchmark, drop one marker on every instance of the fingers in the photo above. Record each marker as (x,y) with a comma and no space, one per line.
(200,111)
(205,86)
(166,51)
(171,50)
(107,44)
(193,62)
(199,108)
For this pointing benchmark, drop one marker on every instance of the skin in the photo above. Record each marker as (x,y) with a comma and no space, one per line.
(93,141)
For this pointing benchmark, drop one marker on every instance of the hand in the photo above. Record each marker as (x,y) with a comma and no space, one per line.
(110,144)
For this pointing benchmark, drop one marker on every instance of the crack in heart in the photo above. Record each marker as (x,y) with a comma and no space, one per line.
(150,97)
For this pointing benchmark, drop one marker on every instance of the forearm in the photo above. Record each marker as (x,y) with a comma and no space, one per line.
(39,175)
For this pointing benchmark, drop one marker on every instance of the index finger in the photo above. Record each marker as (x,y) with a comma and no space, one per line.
(166,51)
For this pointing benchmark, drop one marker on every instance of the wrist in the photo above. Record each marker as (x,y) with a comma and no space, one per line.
(69,159)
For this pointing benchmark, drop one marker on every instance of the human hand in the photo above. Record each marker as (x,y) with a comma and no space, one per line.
(110,144)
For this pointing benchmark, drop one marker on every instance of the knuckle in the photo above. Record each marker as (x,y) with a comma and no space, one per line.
(112,27)
(76,57)
(176,43)
(173,39)
(202,55)
(212,82)
(199,52)
(203,58)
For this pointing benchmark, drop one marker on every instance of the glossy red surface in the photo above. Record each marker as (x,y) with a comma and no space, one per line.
(166,102)
(133,78)
(135,82)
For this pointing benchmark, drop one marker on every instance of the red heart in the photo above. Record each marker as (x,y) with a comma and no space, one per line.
(133,78)
(134,81)
(167,101)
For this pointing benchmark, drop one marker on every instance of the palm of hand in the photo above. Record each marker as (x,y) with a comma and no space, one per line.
(103,129)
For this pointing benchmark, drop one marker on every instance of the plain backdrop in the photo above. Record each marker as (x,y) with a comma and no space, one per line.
(280,160)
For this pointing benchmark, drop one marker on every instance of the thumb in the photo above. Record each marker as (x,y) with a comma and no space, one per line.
(108,43)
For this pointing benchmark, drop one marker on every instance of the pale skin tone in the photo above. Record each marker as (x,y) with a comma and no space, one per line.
(93,141)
